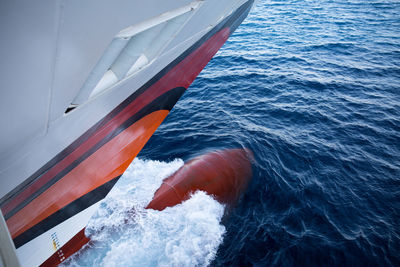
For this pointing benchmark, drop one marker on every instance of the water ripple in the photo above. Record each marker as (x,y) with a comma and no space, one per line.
(313,88)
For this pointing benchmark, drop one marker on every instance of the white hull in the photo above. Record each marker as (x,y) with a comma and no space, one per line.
(84,85)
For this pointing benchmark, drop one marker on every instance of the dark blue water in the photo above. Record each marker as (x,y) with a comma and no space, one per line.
(313,88)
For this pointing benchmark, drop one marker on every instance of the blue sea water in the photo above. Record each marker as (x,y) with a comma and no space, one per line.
(313,89)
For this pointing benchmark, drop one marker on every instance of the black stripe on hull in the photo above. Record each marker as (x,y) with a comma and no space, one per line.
(163,102)
(65,213)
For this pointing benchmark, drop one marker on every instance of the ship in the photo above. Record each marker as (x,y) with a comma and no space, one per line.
(84,85)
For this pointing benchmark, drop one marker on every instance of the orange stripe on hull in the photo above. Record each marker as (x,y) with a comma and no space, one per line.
(109,161)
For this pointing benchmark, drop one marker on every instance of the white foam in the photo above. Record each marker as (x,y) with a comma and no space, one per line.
(125,234)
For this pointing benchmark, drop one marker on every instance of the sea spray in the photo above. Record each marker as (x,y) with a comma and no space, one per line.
(123,233)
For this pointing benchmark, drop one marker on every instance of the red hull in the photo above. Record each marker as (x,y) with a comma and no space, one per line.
(222,174)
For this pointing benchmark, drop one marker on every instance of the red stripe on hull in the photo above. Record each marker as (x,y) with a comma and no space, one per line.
(115,156)
(72,246)
(108,162)
(182,75)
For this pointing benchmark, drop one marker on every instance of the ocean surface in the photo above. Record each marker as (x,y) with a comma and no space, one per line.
(313,89)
